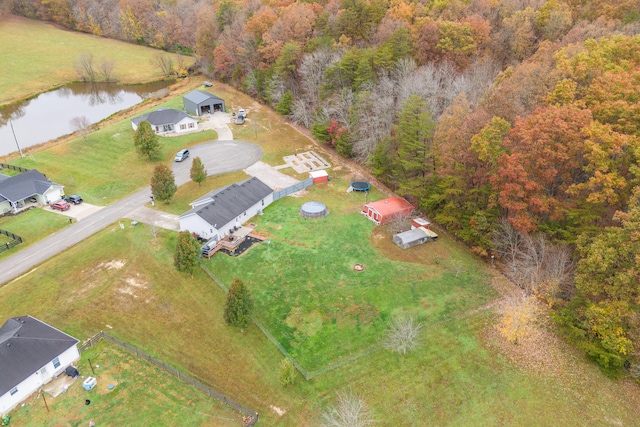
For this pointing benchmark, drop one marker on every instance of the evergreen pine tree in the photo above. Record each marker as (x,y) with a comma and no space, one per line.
(187,250)
(146,141)
(238,307)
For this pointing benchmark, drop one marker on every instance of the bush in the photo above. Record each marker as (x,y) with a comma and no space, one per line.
(286,372)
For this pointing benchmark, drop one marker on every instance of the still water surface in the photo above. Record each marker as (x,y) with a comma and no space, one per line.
(49,115)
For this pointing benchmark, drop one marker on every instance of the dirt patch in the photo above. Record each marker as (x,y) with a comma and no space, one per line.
(115,264)
(132,286)
(277,410)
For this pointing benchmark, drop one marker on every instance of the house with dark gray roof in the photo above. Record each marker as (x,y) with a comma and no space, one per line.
(200,103)
(16,190)
(218,213)
(31,354)
(167,120)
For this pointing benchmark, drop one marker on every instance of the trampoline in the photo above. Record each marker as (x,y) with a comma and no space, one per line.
(360,186)
(313,210)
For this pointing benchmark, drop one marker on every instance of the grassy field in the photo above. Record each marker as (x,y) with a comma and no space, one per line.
(460,375)
(32,225)
(142,395)
(312,300)
(31,66)
(106,167)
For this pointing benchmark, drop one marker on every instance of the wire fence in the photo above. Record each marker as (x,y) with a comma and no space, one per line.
(12,167)
(294,188)
(251,417)
(15,240)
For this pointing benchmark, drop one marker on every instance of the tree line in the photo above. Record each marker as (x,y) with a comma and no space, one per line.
(514,124)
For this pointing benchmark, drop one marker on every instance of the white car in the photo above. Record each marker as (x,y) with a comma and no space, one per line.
(242,113)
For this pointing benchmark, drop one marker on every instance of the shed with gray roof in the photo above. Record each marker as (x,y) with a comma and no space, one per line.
(221,211)
(200,103)
(31,354)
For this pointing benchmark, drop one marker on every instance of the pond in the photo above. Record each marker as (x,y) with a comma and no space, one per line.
(51,114)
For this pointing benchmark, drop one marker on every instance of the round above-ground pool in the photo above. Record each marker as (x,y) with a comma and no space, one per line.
(314,210)
(360,186)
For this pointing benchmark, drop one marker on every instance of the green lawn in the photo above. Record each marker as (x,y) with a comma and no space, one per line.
(106,167)
(312,300)
(125,279)
(31,66)
(32,225)
(142,395)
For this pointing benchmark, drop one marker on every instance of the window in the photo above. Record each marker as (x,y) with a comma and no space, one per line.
(183,127)
(13,391)
(262,202)
(191,125)
(56,362)
(245,214)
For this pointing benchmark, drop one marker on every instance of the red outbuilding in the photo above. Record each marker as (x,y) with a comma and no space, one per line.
(319,176)
(387,210)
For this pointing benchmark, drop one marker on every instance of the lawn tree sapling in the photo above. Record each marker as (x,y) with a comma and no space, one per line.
(287,372)
(163,184)
(403,334)
(350,410)
(81,125)
(198,173)
(520,317)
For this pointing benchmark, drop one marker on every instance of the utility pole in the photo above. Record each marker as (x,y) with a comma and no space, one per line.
(16,139)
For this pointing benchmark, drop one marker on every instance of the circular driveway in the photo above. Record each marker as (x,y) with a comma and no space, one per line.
(218,157)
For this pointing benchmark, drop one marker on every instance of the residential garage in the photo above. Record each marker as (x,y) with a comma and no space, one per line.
(200,103)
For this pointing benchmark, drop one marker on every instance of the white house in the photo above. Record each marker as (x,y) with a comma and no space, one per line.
(216,214)
(31,354)
(15,190)
(167,120)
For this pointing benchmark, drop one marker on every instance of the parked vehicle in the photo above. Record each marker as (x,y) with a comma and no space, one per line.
(181,155)
(242,113)
(239,120)
(61,205)
(74,198)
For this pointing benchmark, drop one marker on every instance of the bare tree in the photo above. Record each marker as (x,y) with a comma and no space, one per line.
(164,62)
(350,410)
(402,336)
(84,67)
(81,125)
(106,69)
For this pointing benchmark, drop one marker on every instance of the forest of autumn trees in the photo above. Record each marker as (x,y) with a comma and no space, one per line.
(514,124)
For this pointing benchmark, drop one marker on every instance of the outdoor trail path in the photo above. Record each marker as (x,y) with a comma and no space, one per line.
(218,157)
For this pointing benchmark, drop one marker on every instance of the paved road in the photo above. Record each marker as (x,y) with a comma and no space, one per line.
(218,157)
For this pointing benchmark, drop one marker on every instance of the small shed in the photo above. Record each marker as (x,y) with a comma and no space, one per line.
(200,102)
(387,210)
(414,237)
(319,176)
(420,222)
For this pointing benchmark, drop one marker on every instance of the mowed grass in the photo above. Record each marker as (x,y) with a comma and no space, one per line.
(31,65)
(311,299)
(125,279)
(32,225)
(106,167)
(142,395)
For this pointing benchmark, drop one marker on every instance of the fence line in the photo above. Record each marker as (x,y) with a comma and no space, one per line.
(251,416)
(277,195)
(15,242)
(12,167)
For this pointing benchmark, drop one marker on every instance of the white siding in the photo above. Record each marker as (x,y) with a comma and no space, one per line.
(42,376)
(186,122)
(52,194)
(195,224)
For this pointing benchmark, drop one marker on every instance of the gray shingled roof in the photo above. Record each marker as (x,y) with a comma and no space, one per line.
(232,201)
(161,117)
(25,185)
(198,96)
(26,345)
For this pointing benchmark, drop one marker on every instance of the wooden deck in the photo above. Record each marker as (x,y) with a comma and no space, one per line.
(231,243)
